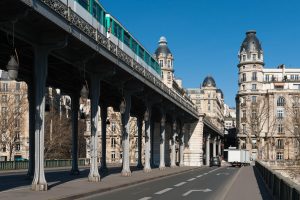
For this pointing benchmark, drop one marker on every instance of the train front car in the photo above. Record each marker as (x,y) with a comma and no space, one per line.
(125,41)
(89,10)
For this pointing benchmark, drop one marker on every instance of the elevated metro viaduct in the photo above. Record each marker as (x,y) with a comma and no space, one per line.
(55,48)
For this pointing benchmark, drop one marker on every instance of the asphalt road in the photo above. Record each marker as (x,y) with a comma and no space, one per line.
(207,183)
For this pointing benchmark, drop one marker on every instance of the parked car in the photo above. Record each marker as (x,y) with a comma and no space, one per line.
(215,161)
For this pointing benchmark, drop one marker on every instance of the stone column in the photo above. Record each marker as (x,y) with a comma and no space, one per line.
(94,175)
(220,147)
(181,147)
(40,75)
(75,108)
(147,118)
(103,113)
(208,150)
(140,129)
(215,147)
(173,150)
(31,96)
(162,147)
(125,135)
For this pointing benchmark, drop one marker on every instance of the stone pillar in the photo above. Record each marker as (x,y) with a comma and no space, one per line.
(220,147)
(103,113)
(94,175)
(31,96)
(181,147)
(152,128)
(208,150)
(173,140)
(140,130)
(193,155)
(215,147)
(40,75)
(125,135)
(162,164)
(75,108)
(147,118)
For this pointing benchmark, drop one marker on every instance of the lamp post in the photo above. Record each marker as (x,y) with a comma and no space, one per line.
(13,67)
(122,106)
(84,92)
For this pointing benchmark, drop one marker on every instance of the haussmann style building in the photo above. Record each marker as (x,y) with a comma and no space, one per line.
(267,105)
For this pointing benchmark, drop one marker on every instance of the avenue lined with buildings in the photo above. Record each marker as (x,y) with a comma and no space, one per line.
(87,112)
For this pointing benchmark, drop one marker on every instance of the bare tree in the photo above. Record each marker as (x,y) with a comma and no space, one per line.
(259,120)
(292,123)
(57,136)
(14,108)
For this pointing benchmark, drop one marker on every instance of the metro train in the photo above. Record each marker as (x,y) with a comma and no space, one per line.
(94,13)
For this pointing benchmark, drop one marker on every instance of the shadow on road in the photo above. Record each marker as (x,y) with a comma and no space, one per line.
(262,186)
(54,178)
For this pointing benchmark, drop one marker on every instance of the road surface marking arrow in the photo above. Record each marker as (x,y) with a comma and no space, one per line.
(222,173)
(189,192)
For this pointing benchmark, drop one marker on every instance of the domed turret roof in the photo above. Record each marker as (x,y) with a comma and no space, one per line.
(209,81)
(251,43)
(162,47)
(221,92)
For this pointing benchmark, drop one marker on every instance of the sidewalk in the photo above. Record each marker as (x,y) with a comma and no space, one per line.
(248,185)
(62,185)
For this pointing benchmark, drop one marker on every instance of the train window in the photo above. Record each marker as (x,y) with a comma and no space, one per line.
(84,3)
(117,30)
(98,12)
(127,39)
(141,52)
(134,46)
(147,57)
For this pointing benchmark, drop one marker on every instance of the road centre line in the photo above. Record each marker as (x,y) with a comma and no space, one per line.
(180,184)
(191,179)
(199,176)
(163,191)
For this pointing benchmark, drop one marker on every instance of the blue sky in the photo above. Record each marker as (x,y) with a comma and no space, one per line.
(205,35)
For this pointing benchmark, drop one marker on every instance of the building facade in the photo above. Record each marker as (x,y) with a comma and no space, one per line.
(14,119)
(210,102)
(267,105)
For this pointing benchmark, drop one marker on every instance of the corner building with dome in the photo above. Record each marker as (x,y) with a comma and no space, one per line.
(267,103)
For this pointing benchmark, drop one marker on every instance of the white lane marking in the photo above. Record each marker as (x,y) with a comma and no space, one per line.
(199,176)
(205,173)
(163,191)
(180,184)
(145,198)
(190,191)
(213,170)
(222,173)
(191,179)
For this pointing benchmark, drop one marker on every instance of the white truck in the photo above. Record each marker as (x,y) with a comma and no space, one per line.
(237,157)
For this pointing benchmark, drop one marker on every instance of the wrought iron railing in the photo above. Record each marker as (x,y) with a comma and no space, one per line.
(13,165)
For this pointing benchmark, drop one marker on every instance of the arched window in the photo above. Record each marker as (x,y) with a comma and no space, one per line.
(280,101)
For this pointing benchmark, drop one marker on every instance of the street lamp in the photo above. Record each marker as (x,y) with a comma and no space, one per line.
(84,92)
(13,67)
(13,64)
(122,106)
(146,115)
